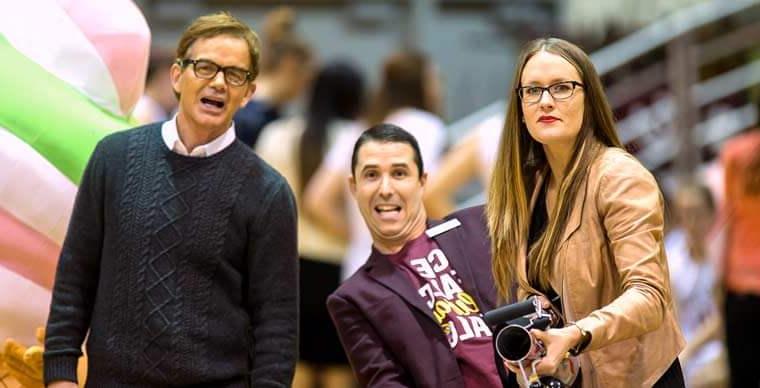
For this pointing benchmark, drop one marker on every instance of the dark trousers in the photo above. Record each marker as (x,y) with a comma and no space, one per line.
(673,377)
(743,339)
(319,344)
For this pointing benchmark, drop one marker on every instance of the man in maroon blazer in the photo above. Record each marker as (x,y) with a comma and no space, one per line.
(412,315)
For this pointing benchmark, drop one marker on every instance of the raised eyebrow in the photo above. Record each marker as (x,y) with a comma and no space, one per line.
(237,68)
(563,82)
(368,166)
(553,82)
(206,60)
(220,66)
(376,166)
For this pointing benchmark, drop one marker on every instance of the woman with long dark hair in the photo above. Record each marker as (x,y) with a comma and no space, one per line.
(573,215)
(409,83)
(295,147)
(287,63)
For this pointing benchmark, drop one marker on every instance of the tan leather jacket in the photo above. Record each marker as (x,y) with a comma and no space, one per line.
(612,274)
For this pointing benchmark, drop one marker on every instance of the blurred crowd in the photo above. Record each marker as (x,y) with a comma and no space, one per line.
(306,114)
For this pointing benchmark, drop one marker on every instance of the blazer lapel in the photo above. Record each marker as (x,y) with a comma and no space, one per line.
(385,273)
(576,212)
(573,222)
(453,247)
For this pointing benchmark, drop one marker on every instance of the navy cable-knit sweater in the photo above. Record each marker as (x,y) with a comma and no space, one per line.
(184,270)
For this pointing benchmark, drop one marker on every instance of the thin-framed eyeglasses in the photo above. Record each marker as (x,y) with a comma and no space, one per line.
(205,69)
(559,91)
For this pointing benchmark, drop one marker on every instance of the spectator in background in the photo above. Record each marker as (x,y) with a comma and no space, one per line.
(694,279)
(409,97)
(296,147)
(158,102)
(473,157)
(286,69)
(741,160)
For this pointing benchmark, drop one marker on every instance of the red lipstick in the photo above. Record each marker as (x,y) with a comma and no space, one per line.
(547,119)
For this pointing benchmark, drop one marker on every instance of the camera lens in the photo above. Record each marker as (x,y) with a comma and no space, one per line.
(513,343)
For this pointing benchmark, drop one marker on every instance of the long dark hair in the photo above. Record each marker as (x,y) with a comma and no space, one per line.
(280,40)
(404,81)
(337,93)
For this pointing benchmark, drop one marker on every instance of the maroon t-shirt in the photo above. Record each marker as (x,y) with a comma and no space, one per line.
(455,310)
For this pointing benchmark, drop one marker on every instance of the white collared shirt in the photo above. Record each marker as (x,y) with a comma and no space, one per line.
(170,134)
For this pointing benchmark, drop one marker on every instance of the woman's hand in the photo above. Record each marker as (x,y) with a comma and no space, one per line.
(557,343)
(545,303)
(514,368)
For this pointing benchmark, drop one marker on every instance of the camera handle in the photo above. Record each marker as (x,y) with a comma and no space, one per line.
(541,321)
(535,381)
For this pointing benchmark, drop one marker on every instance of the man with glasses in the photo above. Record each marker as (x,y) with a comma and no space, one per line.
(181,258)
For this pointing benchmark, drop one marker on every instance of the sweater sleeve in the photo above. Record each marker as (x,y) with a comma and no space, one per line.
(273,290)
(76,277)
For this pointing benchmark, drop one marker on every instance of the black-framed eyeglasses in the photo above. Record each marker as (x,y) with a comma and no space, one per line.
(205,69)
(559,91)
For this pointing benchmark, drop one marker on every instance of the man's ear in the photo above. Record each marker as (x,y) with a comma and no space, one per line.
(251,89)
(423,179)
(175,72)
(352,184)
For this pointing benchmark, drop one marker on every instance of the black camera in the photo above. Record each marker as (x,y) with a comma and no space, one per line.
(516,345)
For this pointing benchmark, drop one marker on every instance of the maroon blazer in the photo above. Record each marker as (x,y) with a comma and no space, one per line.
(387,330)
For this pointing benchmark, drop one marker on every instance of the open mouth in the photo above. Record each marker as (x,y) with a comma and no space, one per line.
(212,103)
(388,211)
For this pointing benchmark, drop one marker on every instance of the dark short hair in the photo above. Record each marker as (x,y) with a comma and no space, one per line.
(387,133)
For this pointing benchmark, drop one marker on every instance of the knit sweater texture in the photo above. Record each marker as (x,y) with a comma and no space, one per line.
(184,270)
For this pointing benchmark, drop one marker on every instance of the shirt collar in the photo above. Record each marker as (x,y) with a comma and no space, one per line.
(170,134)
